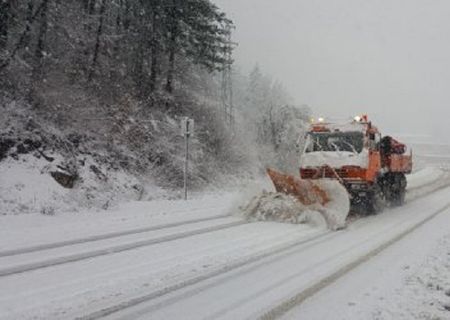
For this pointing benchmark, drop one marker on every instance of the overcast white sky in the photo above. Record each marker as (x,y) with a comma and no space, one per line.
(387,58)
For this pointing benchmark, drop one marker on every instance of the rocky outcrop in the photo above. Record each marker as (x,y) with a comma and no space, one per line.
(65,179)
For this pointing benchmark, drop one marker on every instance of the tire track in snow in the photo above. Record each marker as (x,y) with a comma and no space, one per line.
(21,268)
(280,250)
(296,300)
(157,294)
(174,299)
(428,188)
(104,236)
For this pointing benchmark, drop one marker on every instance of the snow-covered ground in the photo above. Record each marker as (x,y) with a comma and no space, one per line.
(410,280)
(26,186)
(424,176)
(175,259)
(35,228)
(181,259)
(38,229)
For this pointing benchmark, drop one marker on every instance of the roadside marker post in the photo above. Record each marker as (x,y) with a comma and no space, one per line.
(187,130)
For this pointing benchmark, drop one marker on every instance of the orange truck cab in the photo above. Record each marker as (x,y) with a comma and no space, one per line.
(371,167)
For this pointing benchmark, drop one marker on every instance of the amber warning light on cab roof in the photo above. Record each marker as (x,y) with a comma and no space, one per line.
(321,120)
(362,118)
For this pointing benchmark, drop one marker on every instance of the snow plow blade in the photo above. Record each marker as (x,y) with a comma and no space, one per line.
(306,191)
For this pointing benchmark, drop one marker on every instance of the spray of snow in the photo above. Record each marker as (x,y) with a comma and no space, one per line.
(337,209)
(273,206)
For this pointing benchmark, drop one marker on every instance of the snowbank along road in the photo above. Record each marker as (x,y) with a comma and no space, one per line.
(202,264)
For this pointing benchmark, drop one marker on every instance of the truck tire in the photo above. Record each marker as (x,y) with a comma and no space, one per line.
(399,189)
(377,200)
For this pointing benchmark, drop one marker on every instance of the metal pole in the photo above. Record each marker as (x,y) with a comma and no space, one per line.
(186,161)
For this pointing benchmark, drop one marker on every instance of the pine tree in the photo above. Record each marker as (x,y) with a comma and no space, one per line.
(5,12)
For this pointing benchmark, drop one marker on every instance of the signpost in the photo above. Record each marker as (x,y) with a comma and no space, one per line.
(187,129)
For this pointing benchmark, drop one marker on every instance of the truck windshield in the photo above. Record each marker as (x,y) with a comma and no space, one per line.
(335,141)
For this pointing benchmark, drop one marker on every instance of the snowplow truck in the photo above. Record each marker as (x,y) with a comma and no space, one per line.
(370,166)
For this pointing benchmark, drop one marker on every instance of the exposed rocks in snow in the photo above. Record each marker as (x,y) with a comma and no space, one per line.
(48,211)
(47,170)
(33,184)
(5,145)
(65,179)
(98,173)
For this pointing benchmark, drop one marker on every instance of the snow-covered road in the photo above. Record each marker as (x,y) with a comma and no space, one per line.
(272,286)
(410,280)
(195,263)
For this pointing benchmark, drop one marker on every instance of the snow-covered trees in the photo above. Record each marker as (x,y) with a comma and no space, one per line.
(123,72)
(272,120)
(5,9)
(115,39)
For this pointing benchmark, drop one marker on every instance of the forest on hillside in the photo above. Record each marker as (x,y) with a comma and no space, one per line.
(110,80)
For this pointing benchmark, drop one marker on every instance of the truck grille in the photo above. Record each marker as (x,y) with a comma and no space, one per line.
(324,172)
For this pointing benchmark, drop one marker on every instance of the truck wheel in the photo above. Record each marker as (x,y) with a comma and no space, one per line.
(377,200)
(401,198)
(400,190)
